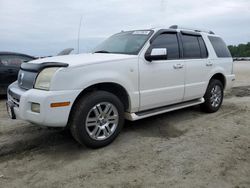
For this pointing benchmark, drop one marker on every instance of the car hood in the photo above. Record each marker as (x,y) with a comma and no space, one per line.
(85,59)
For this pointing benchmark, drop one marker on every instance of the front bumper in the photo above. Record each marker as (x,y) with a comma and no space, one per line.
(48,116)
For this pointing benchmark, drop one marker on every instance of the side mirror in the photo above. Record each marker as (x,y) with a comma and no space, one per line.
(156,54)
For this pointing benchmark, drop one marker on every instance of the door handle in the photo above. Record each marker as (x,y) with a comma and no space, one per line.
(178,66)
(10,70)
(209,64)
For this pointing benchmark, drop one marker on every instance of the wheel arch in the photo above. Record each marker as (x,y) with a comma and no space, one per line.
(220,77)
(111,87)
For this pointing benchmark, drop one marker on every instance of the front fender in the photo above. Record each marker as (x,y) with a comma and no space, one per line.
(124,74)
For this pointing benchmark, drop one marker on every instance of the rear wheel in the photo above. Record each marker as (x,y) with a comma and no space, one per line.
(97,119)
(213,96)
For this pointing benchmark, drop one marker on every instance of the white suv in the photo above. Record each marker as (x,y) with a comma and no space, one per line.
(132,75)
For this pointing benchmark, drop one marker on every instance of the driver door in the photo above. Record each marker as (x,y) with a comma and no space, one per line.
(162,80)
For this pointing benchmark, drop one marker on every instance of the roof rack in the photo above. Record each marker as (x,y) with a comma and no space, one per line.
(192,29)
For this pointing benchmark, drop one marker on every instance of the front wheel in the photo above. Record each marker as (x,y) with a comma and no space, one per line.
(213,96)
(97,119)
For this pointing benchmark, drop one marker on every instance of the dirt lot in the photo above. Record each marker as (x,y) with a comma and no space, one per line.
(186,148)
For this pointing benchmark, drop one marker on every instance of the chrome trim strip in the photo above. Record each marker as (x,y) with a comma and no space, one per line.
(134,116)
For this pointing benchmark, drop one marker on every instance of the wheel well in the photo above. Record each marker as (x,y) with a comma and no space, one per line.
(113,88)
(220,77)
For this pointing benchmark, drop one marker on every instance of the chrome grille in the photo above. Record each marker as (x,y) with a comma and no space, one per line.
(14,93)
(14,100)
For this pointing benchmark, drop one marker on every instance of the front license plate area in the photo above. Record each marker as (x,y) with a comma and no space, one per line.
(10,110)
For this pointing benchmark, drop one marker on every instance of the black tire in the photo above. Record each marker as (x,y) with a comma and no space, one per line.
(80,112)
(207,106)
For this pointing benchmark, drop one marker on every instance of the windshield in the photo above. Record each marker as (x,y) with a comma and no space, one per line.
(129,42)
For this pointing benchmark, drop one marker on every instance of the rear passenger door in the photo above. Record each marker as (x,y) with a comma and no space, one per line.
(195,55)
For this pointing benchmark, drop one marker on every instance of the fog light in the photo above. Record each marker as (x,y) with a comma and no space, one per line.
(35,107)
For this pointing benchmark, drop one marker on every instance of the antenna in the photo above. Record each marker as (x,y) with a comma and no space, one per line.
(163,6)
(78,37)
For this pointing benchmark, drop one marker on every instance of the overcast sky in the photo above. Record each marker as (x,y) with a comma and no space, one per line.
(44,27)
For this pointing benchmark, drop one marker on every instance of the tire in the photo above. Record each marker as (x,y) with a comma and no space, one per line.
(97,119)
(213,97)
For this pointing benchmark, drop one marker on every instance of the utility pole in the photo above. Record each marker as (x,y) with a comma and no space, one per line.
(78,37)
(163,6)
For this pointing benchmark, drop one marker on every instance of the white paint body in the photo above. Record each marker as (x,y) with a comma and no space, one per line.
(148,84)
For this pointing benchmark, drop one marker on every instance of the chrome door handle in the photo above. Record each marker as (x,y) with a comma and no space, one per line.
(178,66)
(209,64)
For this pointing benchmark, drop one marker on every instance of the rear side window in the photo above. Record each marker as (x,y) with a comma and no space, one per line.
(219,46)
(191,47)
(169,41)
(204,53)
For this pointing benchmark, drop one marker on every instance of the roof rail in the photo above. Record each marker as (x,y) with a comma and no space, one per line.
(192,29)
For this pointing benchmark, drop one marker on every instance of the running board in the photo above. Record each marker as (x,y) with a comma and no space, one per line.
(161,110)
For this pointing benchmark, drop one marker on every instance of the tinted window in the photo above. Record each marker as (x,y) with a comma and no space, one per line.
(129,42)
(25,59)
(204,53)
(170,42)
(220,47)
(191,47)
(13,60)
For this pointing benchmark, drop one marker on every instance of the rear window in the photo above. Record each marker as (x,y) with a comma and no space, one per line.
(13,60)
(220,47)
(191,47)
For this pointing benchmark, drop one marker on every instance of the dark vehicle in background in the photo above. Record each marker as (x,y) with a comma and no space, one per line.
(10,63)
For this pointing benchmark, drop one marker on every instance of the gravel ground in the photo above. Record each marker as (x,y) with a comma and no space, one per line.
(185,148)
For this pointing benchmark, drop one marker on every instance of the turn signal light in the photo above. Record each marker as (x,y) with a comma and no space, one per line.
(59,104)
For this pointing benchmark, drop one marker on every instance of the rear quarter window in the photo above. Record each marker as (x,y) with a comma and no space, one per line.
(220,47)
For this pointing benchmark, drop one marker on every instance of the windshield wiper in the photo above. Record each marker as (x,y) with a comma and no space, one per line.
(101,51)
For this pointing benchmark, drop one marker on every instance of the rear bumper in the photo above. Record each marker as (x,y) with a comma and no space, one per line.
(230,79)
(48,116)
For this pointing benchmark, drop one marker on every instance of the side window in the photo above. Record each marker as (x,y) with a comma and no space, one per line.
(220,47)
(169,41)
(25,59)
(13,60)
(191,47)
(203,48)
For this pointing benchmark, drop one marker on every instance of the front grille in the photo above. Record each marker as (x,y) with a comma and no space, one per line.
(14,93)
(14,100)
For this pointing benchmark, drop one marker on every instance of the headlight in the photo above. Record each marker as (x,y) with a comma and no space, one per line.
(44,78)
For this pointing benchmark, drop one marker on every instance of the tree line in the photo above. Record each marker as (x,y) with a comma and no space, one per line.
(241,50)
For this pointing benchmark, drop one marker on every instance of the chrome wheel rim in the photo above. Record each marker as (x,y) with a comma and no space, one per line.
(102,121)
(216,95)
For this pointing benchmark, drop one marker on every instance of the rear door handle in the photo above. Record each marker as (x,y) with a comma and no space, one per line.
(178,66)
(209,64)
(10,70)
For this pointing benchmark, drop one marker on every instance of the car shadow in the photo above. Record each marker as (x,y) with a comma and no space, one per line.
(163,125)
(35,139)
(3,97)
